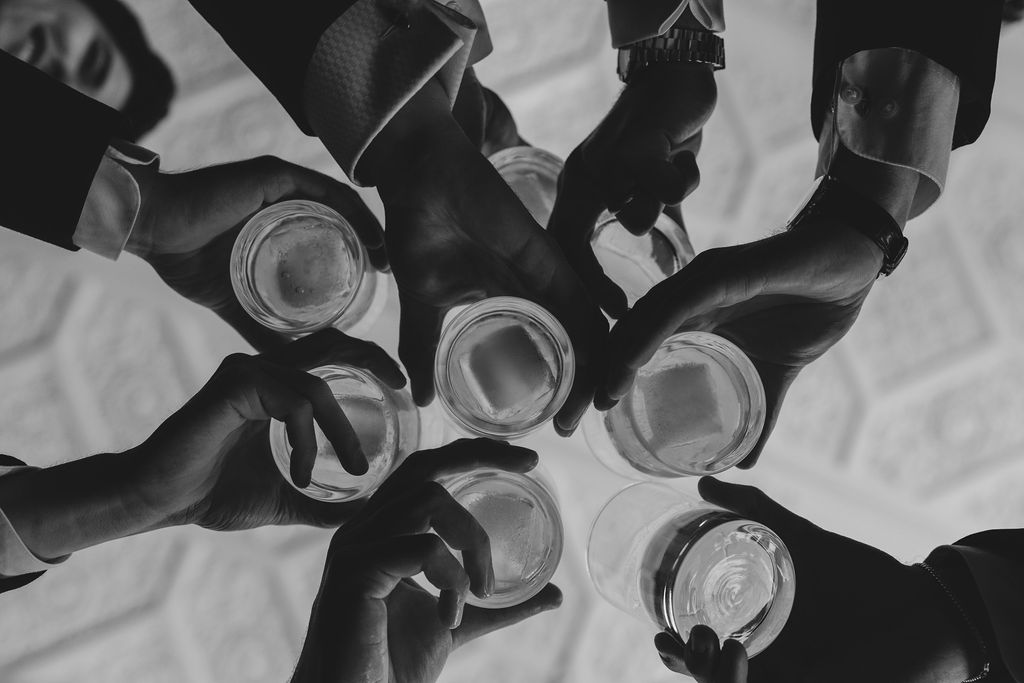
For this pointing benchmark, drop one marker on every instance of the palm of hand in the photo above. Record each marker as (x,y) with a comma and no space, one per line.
(852,600)
(238,487)
(418,643)
(455,246)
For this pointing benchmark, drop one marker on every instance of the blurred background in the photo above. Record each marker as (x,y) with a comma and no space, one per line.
(907,435)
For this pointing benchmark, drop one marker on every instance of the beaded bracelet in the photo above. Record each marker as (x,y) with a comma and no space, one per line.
(967,619)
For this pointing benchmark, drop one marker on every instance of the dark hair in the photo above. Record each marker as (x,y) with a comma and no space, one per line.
(152,83)
(1013,10)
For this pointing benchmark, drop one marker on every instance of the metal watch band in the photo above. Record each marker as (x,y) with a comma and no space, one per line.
(680,45)
(863,215)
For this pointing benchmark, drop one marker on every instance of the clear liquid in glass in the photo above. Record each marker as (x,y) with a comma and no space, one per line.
(386,423)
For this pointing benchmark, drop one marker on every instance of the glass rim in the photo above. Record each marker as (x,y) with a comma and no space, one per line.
(665,225)
(540,487)
(461,323)
(250,238)
(278,438)
(536,157)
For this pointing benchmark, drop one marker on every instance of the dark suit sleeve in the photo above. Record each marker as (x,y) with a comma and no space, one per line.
(961,35)
(276,40)
(986,573)
(53,139)
(11,583)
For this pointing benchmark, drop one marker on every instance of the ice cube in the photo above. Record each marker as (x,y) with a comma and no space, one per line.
(516,531)
(679,406)
(508,374)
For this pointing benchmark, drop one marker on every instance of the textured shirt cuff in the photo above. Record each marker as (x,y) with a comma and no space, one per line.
(112,206)
(897,107)
(366,67)
(634,20)
(15,557)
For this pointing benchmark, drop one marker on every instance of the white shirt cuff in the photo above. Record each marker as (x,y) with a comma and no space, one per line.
(634,20)
(366,68)
(15,557)
(112,205)
(897,107)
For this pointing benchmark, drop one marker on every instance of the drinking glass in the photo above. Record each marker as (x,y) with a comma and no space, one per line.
(520,514)
(504,367)
(298,266)
(386,421)
(698,407)
(675,561)
(633,262)
(638,262)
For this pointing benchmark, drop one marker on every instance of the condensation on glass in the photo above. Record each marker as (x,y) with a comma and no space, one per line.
(298,266)
(386,421)
(520,514)
(633,262)
(698,407)
(504,367)
(675,561)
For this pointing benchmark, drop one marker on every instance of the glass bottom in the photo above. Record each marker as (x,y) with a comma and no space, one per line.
(386,422)
(524,527)
(713,568)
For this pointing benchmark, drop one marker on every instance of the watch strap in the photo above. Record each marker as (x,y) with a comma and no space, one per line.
(679,45)
(860,213)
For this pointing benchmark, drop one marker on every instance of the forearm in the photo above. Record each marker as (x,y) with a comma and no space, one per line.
(76,505)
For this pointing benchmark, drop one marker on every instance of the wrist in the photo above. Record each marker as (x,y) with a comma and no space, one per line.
(955,646)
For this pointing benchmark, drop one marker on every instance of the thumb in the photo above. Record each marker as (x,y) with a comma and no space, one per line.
(776,381)
(750,503)
(477,621)
(418,335)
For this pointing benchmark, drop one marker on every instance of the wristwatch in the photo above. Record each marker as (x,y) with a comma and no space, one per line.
(860,213)
(680,45)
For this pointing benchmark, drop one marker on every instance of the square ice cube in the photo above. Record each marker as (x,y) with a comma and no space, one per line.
(507,374)
(678,406)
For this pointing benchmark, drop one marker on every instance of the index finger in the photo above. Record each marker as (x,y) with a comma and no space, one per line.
(333,347)
(458,456)
(694,291)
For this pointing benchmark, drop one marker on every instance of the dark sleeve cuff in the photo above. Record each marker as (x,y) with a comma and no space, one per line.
(54,139)
(961,35)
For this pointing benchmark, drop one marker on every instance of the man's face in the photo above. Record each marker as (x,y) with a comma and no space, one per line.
(65,39)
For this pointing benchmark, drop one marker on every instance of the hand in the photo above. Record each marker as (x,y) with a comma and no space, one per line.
(641,157)
(484,117)
(370,621)
(188,223)
(210,463)
(784,301)
(457,233)
(859,614)
(702,658)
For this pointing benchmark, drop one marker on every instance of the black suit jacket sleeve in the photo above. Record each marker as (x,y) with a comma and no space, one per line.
(276,40)
(986,573)
(10,583)
(962,35)
(52,139)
